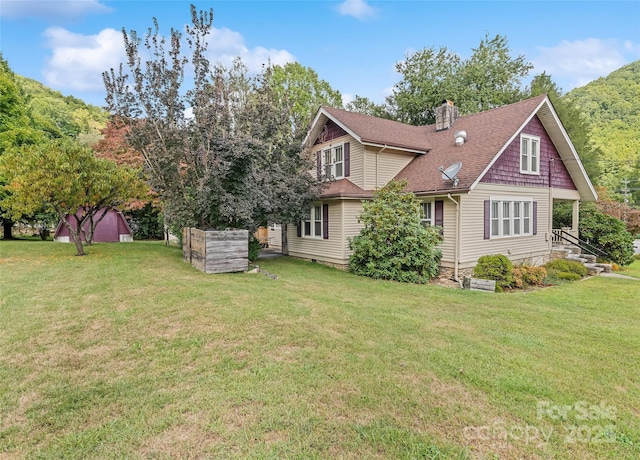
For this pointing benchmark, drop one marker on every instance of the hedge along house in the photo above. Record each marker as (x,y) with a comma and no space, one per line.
(516,161)
(112,228)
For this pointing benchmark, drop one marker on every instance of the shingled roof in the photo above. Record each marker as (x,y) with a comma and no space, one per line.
(374,131)
(487,134)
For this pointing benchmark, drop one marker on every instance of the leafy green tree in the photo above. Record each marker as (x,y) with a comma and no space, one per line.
(606,232)
(366,106)
(16,129)
(599,228)
(573,120)
(303,92)
(393,244)
(489,78)
(66,178)
(234,163)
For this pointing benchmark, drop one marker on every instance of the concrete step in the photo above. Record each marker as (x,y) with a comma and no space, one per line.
(575,258)
(591,259)
(594,270)
(559,253)
(607,268)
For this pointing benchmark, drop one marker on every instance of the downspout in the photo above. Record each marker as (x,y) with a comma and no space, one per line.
(456,246)
(378,152)
(550,213)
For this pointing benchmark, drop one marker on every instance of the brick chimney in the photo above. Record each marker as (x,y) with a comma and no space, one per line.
(446,115)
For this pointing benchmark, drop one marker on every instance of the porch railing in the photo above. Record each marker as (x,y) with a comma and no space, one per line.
(563,236)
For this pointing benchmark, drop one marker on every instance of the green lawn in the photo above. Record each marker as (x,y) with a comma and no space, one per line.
(131,353)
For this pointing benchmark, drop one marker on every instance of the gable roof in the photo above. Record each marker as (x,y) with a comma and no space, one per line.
(373,131)
(489,133)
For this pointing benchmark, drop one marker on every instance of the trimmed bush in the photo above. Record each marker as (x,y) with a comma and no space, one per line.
(567,276)
(529,275)
(567,266)
(495,267)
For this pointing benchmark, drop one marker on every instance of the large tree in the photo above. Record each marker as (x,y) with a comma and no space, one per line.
(489,78)
(301,90)
(16,128)
(66,177)
(234,160)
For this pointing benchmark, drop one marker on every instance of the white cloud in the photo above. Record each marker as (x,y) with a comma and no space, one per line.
(582,61)
(359,9)
(52,10)
(225,45)
(77,61)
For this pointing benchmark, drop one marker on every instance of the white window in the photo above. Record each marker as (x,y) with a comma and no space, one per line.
(427,216)
(313,226)
(510,217)
(333,162)
(529,154)
(495,218)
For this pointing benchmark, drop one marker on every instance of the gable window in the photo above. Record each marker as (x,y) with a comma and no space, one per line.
(333,162)
(529,154)
(510,217)
(427,215)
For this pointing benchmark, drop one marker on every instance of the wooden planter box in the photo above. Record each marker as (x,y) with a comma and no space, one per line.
(214,251)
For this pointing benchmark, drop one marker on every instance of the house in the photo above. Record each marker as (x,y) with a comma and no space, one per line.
(489,180)
(113,228)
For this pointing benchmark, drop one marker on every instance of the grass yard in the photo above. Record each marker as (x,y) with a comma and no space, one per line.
(131,353)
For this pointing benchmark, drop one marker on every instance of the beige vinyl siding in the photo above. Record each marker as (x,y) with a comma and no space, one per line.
(356,162)
(356,157)
(473,244)
(331,250)
(351,211)
(378,171)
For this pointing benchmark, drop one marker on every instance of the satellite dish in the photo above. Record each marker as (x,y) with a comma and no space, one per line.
(451,172)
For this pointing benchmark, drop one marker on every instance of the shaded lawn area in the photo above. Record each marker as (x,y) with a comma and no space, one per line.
(130,352)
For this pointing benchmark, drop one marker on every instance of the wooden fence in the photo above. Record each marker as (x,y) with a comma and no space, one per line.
(214,251)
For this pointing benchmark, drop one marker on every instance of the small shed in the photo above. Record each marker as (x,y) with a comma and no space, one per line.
(113,228)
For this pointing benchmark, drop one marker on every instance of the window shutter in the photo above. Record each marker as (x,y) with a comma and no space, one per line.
(347,159)
(319,164)
(299,229)
(535,217)
(439,213)
(487,219)
(325,221)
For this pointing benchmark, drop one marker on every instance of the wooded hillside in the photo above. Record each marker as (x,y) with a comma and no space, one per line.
(611,107)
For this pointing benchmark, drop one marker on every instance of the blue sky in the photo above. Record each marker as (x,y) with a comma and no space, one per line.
(351,44)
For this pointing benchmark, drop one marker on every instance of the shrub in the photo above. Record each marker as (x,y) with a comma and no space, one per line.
(146,223)
(606,232)
(568,276)
(567,266)
(529,275)
(495,267)
(254,248)
(393,244)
